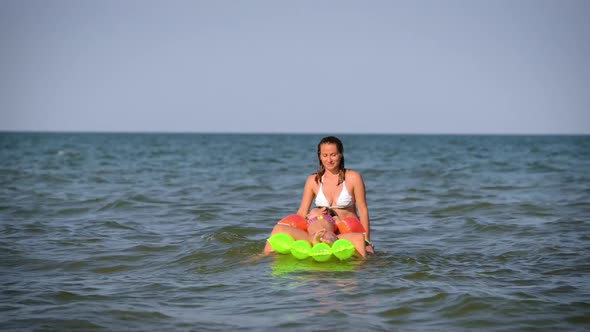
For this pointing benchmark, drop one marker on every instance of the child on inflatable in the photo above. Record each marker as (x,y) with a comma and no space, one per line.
(317,228)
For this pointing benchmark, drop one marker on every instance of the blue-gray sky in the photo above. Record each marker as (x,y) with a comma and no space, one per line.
(473,66)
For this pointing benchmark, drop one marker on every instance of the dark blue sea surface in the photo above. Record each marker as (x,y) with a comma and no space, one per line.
(153,232)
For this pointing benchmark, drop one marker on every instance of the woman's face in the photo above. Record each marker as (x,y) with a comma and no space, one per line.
(330,157)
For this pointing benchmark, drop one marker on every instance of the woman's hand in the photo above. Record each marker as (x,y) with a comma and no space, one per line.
(370,249)
(317,237)
(329,237)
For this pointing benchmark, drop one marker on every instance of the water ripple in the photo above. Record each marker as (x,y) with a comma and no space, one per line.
(153,232)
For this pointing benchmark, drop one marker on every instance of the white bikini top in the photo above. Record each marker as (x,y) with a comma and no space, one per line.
(343,201)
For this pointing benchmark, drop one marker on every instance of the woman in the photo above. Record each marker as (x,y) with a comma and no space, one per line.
(337,192)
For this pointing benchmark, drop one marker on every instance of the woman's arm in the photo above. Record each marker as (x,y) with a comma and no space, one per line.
(307,197)
(360,196)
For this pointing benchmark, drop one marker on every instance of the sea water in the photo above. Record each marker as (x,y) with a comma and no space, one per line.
(153,232)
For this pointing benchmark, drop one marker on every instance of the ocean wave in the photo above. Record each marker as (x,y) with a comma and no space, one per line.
(150,232)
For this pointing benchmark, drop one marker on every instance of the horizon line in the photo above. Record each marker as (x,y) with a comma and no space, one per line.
(147,132)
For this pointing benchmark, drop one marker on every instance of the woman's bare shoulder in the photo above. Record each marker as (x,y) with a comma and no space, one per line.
(353,175)
(310,179)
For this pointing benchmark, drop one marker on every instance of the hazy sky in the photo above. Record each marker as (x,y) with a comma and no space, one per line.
(473,66)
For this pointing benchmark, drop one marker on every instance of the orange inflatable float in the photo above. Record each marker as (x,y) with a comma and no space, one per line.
(350,225)
(294,220)
(346,225)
